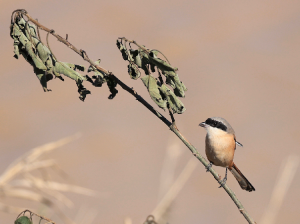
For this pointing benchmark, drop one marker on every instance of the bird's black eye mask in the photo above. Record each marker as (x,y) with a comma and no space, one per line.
(216,124)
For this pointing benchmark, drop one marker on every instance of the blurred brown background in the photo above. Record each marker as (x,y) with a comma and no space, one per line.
(239,60)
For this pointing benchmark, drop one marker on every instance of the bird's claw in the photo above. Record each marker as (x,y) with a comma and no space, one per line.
(208,167)
(223,182)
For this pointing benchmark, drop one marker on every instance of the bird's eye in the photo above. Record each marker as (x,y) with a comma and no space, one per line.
(208,121)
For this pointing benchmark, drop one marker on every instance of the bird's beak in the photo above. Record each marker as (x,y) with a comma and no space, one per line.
(202,124)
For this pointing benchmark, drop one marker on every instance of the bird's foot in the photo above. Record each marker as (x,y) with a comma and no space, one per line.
(46,90)
(208,167)
(223,182)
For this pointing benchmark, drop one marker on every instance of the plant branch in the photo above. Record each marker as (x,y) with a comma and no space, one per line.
(82,53)
(172,126)
(32,213)
(134,42)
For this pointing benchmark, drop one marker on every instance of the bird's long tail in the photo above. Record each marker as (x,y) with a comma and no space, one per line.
(244,183)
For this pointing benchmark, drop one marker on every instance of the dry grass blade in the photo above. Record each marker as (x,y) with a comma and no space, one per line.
(170,196)
(10,209)
(31,184)
(173,153)
(86,215)
(127,220)
(39,165)
(90,216)
(59,197)
(19,164)
(284,181)
(51,185)
(39,190)
(25,194)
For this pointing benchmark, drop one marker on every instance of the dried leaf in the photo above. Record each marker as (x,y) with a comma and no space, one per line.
(151,83)
(172,79)
(27,48)
(175,104)
(92,69)
(111,83)
(101,78)
(40,57)
(68,69)
(123,50)
(161,64)
(133,71)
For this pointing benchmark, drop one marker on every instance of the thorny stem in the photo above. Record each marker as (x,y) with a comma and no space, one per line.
(172,126)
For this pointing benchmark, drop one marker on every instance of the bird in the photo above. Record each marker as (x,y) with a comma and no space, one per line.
(220,146)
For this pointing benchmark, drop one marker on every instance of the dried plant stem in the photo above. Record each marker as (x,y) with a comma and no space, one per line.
(286,175)
(20,164)
(173,154)
(172,126)
(134,42)
(174,190)
(82,53)
(10,209)
(215,174)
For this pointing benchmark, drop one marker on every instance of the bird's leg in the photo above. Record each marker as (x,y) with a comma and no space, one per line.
(209,166)
(223,182)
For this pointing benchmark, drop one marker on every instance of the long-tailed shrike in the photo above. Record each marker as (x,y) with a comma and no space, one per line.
(220,145)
